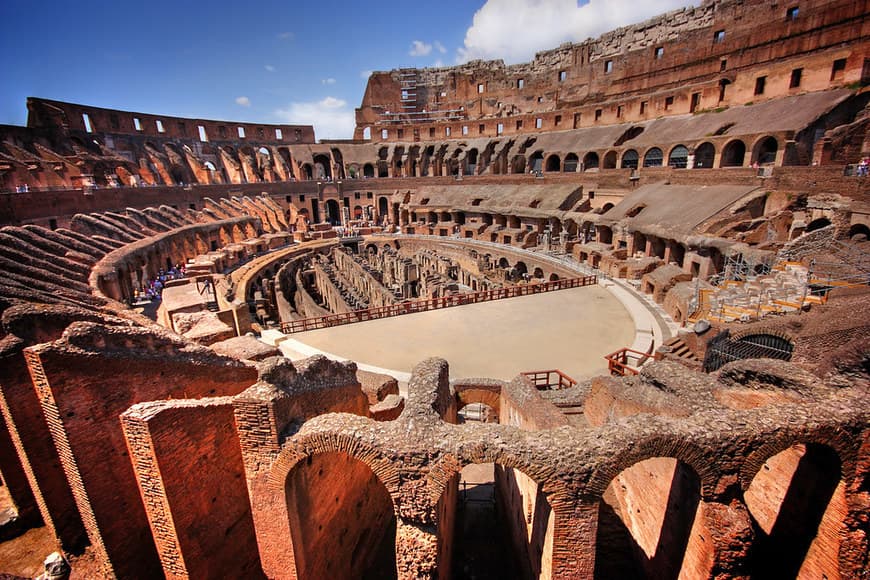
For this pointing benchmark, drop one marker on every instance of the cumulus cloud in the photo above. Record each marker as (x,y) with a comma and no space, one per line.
(269,67)
(365,74)
(243,101)
(331,117)
(439,47)
(420,48)
(329,81)
(514,30)
(284,36)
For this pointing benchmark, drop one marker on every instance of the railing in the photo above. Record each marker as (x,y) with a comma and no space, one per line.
(551,380)
(415,306)
(626,361)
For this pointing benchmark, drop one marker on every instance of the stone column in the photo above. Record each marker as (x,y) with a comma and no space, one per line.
(416,550)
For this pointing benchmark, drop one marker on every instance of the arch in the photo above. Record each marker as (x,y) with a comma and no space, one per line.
(764,152)
(570,163)
(554,163)
(629,160)
(818,224)
(609,160)
(333,212)
(538,273)
(324,492)
(503,263)
(357,212)
(367,133)
(489,395)
(383,208)
(653,157)
(645,519)
(678,157)
(857,230)
(368,171)
(554,277)
(591,160)
(536,162)
(322,166)
(307,171)
(796,501)
(733,154)
(521,268)
(705,155)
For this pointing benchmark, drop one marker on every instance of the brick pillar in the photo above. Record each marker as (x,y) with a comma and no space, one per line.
(574,539)
(416,551)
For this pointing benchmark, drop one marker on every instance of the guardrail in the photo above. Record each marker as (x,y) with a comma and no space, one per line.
(626,361)
(551,380)
(411,307)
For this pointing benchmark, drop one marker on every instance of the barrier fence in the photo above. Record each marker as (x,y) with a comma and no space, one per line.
(411,307)
(550,380)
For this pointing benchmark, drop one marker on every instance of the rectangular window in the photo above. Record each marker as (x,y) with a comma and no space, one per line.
(669,102)
(278,134)
(577,117)
(431,132)
(598,113)
(384,133)
(608,67)
(400,133)
(619,110)
(356,195)
(241,132)
(465,129)
(521,83)
(447,131)
(759,85)
(719,37)
(481,129)
(838,69)
(499,129)
(182,129)
(86,119)
(202,134)
(723,65)
(137,124)
(160,128)
(222,132)
(539,122)
(301,198)
(791,14)
(298,134)
(796,75)
(563,75)
(659,52)
(696,102)
(643,106)
(481,87)
(114,122)
(557,120)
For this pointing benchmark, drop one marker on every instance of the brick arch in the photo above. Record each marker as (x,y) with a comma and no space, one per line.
(777,332)
(561,498)
(489,395)
(317,443)
(673,447)
(840,442)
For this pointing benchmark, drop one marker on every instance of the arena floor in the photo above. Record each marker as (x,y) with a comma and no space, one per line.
(569,330)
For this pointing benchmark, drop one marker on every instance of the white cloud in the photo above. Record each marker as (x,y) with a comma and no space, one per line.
(439,47)
(420,48)
(243,101)
(331,117)
(329,81)
(284,36)
(514,30)
(269,67)
(365,74)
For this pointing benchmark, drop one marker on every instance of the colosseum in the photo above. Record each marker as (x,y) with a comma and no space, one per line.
(604,314)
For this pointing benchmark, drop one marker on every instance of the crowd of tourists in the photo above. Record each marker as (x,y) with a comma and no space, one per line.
(153,289)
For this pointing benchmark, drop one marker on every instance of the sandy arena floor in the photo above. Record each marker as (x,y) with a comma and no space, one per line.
(570,330)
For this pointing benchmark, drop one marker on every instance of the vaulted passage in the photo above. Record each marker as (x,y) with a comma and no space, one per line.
(797,502)
(342,520)
(646,519)
(496,523)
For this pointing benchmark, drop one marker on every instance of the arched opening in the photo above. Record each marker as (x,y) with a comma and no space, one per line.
(570,164)
(536,162)
(368,171)
(367,133)
(733,154)
(645,520)
(818,224)
(383,210)
(679,157)
(521,268)
(653,158)
(629,159)
(538,273)
(705,155)
(553,163)
(503,263)
(859,233)
(342,520)
(322,167)
(765,151)
(357,212)
(553,277)
(471,162)
(333,212)
(307,172)
(591,161)
(495,522)
(605,234)
(797,501)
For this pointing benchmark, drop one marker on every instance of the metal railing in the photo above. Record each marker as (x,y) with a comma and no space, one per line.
(550,380)
(415,306)
(627,361)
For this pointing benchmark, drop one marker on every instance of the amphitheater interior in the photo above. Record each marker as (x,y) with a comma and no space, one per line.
(689,195)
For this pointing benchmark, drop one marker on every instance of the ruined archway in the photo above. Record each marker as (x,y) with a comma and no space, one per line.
(333,212)
(341,518)
(705,155)
(764,152)
(733,154)
(796,502)
(653,157)
(553,164)
(645,519)
(629,159)
(570,164)
(609,160)
(679,157)
(591,161)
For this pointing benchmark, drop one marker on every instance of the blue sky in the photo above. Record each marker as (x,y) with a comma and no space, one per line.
(271,61)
